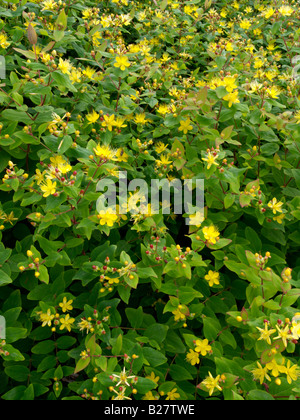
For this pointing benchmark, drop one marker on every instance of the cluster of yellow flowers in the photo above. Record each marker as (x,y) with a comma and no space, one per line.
(57,171)
(201,348)
(51,316)
(288,331)
(291,371)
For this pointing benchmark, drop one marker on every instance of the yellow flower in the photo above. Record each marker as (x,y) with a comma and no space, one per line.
(196,219)
(178,315)
(245,24)
(149,396)
(39,176)
(89,72)
(286,10)
(121,156)
(193,357)
(279,219)
(213,278)
(87,14)
(185,125)
(106,21)
(84,324)
(49,5)
(93,117)
(46,318)
(210,159)
(265,333)
(75,76)
(202,346)
(273,92)
(105,152)
(215,82)
(295,329)
(232,98)
(283,334)
(163,109)
(109,122)
(268,13)
(292,372)
(211,383)
(140,119)
(161,147)
(3,41)
(172,395)
(119,123)
(163,161)
(64,66)
(275,368)
(153,378)
(211,234)
(261,373)
(122,62)
(297,116)
(258,63)
(66,305)
(275,205)
(107,218)
(48,188)
(66,323)
(229,82)
(229,46)
(255,86)
(60,164)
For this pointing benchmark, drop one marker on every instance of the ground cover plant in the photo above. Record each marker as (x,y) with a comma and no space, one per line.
(102,305)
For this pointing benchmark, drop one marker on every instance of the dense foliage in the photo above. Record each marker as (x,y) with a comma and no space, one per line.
(143,306)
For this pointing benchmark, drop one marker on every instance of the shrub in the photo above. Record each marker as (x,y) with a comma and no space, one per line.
(102,304)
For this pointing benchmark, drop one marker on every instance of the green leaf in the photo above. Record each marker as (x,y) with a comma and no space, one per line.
(82,364)
(179,373)
(211,328)
(4,278)
(117,346)
(157,332)
(43,347)
(253,238)
(62,81)
(17,373)
(154,357)
(259,395)
(14,334)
